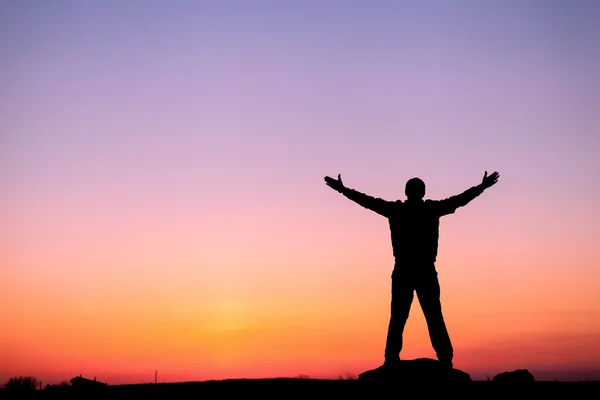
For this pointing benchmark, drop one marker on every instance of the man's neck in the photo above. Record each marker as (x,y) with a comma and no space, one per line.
(414,201)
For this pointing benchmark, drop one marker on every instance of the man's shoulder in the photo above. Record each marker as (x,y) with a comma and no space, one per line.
(433,206)
(395,205)
(440,207)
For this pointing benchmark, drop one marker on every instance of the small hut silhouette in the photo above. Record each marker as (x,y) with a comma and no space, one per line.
(80,381)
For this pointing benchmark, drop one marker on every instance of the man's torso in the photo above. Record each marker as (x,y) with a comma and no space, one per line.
(414,230)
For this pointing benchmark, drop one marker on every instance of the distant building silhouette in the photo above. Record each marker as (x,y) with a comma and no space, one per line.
(80,381)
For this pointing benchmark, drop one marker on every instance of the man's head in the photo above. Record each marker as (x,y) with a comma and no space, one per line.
(415,189)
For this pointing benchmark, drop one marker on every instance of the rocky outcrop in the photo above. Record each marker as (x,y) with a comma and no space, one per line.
(517,376)
(421,370)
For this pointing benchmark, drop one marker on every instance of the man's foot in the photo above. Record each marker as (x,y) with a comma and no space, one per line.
(447,363)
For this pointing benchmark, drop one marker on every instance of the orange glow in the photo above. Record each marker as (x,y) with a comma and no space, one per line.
(318,315)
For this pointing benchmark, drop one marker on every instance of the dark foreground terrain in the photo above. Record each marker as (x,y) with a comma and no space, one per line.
(291,388)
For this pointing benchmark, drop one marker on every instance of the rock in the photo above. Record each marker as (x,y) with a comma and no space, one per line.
(517,376)
(421,370)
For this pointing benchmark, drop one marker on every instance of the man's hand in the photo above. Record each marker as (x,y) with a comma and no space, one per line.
(335,184)
(489,180)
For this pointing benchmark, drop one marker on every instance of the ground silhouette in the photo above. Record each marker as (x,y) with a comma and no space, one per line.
(293,387)
(414,226)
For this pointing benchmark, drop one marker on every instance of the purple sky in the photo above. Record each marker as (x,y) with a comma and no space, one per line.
(198,102)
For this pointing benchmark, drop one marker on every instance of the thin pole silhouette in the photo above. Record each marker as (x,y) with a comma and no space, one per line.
(414,227)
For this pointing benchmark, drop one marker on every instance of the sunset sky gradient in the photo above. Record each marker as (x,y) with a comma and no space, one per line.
(163,204)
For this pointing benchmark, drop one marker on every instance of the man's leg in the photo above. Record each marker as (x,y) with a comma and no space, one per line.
(428,293)
(402,297)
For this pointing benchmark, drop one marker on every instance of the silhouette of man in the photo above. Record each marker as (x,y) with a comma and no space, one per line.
(414,226)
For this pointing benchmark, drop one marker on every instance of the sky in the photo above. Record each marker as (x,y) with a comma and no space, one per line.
(163,206)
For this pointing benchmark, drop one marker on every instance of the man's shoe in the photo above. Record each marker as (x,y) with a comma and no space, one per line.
(447,363)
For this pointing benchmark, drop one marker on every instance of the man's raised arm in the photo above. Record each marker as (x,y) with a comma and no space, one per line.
(378,205)
(449,205)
